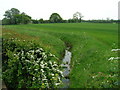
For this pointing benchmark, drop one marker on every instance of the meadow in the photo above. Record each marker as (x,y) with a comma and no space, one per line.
(90,45)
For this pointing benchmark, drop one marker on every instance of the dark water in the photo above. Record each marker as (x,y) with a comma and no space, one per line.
(66,65)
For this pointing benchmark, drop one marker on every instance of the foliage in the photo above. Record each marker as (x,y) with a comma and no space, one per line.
(77,17)
(35,21)
(5,21)
(25,19)
(9,14)
(13,16)
(55,18)
(41,20)
(72,20)
(26,65)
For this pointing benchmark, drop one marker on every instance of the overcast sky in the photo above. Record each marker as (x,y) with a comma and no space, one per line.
(90,9)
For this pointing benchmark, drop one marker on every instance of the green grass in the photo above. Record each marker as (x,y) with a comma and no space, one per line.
(91,48)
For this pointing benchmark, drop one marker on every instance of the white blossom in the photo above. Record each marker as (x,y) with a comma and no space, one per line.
(115,50)
(52,74)
(27,60)
(111,58)
(57,84)
(36,69)
(32,57)
(34,78)
(42,70)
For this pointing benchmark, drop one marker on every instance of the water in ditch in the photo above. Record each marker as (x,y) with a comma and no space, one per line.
(66,70)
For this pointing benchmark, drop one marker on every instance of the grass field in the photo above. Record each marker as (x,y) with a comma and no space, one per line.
(91,46)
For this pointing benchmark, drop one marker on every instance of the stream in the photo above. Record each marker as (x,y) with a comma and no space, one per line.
(66,70)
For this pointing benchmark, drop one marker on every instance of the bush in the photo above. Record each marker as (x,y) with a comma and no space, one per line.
(26,65)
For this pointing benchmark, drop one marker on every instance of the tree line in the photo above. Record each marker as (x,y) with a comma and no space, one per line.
(14,16)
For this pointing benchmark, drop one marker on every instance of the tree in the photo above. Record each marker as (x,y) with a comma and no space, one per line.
(10,14)
(25,19)
(13,16)
(77,17)
(35,21)
(55,18)
(5,21)
(41,20)
(71,20)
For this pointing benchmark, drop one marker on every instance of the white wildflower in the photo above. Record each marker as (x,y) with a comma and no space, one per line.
(51,54)
(117,58)
(41,49)
(54,69)
(36,69)
(42,70)
(44,79)
(23,58)
(45,63)
(59,79)
(38,50)
(27,60)
(57,84)
(34,78)
(38,59)
(32,51)
(42,65)
(115,50)
(50,62)
(45,56)
(22,53)
(60,72)
(52,74)
(15,55)
(54,62)
(41,62)
(111,58)
(32,57)
(55,65)
(43,53)
(102,82)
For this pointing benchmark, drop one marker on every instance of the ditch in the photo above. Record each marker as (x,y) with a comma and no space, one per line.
(66,65)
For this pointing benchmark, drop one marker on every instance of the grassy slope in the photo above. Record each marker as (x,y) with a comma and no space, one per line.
(91,47)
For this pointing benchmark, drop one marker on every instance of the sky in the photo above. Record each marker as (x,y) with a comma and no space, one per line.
(90,9)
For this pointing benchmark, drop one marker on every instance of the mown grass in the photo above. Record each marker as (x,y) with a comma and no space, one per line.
(91,45)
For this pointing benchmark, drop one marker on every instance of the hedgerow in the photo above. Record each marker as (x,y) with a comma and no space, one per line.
(27,65)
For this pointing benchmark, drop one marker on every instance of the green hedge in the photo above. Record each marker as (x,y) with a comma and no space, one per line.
(27,65)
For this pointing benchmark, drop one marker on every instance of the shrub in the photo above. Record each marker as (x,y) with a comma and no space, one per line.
(26,65)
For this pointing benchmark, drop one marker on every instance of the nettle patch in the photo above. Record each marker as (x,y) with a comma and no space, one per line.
(26,65)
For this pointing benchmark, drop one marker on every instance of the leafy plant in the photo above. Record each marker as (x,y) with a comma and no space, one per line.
(26,65)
